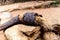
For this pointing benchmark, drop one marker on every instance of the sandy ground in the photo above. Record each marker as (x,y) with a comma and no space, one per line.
(51,14)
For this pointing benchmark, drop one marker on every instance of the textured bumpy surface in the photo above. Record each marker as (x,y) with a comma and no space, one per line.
(29,18)
(51,36)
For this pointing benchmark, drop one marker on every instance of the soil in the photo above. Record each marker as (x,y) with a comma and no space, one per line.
(52,15)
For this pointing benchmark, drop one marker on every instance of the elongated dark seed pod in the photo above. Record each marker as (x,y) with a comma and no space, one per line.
(9,23)
(28,18)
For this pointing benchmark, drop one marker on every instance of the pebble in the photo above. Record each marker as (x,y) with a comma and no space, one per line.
(5,16)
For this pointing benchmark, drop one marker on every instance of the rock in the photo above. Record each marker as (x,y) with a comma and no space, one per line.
(18,32)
